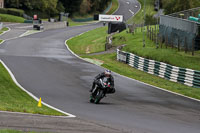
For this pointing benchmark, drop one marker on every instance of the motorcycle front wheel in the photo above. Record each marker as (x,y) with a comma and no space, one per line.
(99,96)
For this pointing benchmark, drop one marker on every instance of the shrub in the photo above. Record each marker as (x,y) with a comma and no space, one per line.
(12,11)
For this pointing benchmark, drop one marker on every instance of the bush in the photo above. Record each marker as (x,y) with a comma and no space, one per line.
(3,10)
(150,20)
(12,11)
(11,18)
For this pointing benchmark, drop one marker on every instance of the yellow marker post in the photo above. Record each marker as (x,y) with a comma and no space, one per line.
(40,103)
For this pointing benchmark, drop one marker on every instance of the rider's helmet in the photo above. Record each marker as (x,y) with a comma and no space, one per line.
(107,73)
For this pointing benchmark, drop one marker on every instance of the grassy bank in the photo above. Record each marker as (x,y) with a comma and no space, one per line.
(3,30)
(11,18)
(13,99)
(115,5)
(134,43)
(139,17)
(167,55)
(90,42)
(72,23)
(94,41)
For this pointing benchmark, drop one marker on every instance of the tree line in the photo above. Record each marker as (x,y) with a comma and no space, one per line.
(53,7)
(172,6)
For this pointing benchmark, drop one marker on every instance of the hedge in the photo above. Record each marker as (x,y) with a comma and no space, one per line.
(12,11)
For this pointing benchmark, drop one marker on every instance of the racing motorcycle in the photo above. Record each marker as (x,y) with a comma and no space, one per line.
(100,90)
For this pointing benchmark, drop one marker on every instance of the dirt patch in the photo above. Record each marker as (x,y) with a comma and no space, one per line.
(97,39)
(99,60)
(87,50)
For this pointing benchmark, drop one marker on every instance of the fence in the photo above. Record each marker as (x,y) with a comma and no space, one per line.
(176,74)
(55,25)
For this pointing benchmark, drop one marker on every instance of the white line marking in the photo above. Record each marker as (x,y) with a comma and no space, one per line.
(131,11)
(53,116)
(2,41)
(12,24)
(30,94)
(29,26)
(5,31)
(24,33)
(128,2)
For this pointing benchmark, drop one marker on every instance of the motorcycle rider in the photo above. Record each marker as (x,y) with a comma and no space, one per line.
(107,74)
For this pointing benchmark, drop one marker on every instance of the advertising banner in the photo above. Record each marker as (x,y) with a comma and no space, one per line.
(111,18)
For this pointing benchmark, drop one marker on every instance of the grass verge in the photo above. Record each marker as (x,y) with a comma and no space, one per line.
(167,55)
(115,5)
(124,69)
(90,42)
(139,17)
(4,29)
(13,99)
(11,18)
(72,23)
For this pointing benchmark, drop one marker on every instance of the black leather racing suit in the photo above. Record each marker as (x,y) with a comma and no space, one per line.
(101,76)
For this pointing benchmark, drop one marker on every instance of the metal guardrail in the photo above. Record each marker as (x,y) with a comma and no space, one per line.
(185,76)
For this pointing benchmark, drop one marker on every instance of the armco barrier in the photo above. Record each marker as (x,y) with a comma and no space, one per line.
(185,76)
(55,25)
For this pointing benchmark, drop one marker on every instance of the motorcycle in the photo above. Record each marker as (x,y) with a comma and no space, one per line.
(100,90)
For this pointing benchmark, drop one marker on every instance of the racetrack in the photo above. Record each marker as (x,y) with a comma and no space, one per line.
(42,64)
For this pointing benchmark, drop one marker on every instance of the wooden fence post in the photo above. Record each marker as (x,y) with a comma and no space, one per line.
(161,38)
(172,43)
(186,48)
(166,40)
(152,35)
(178,43)
(193,47)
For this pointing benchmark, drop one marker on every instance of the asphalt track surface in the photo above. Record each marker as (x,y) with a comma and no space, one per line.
(42,64)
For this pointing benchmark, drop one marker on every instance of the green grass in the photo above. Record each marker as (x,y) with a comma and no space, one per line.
(90,42)
(139,17)
(79,45)
(13,99)
(11,18)
(111,63)
(115,5)
(72,23)
(3,30)
(167,55)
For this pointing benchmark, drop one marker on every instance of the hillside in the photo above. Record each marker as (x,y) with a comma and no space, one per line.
(53,7)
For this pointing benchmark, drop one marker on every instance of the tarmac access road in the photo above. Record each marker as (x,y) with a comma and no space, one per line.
(44,66)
